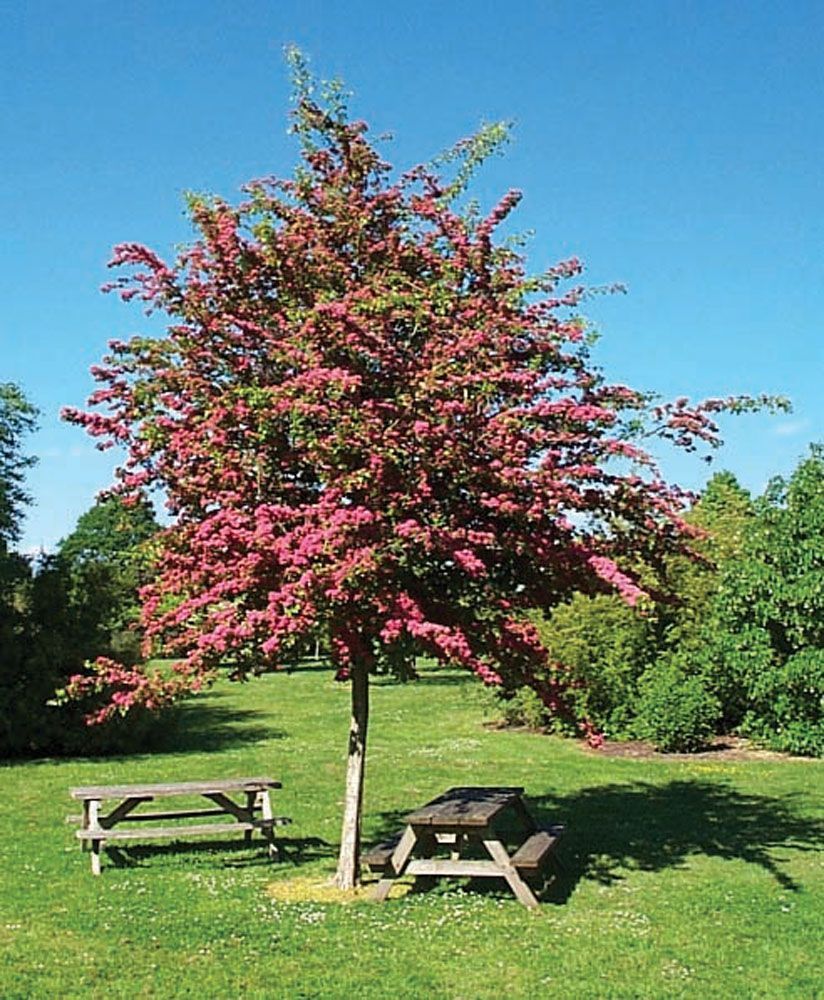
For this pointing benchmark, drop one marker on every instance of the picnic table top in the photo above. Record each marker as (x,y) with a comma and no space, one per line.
(173,788)
(465,806)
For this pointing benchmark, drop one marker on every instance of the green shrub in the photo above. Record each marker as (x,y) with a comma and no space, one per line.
(599,647)
(676,712)
(787,705)
(522,708)
(763,647)
(605,646)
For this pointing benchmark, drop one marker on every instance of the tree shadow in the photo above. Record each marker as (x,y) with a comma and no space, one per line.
(223,853)
(451,679)
(305,665)
(194,727)
(612,830)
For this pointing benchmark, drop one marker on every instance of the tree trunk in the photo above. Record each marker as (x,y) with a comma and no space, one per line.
(348,873)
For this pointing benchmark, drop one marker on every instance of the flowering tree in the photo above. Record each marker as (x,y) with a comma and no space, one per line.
(368,419)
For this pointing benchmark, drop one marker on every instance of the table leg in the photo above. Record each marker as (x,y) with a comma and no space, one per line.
(455,853)
(94,824)
(499,855)
(269,828)
(85,844)
(253,799)
(396,863)
(425,847)
(525,815)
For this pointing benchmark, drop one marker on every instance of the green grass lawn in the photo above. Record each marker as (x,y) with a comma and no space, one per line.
(694,878)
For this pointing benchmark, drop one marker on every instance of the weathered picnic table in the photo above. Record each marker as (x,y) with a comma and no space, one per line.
(460,820)
(97,830)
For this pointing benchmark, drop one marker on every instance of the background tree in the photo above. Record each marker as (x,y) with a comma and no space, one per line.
(110,532)
(367,417)
(608,646)
(724,513)
(766,631)
(58,625)
(57,612)
(108,557)
(18,418)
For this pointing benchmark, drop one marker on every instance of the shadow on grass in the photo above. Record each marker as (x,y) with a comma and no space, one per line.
(195,727)
(309,665)
(427,673)
(446,679)
(224,853)
(615,829)
(612,829)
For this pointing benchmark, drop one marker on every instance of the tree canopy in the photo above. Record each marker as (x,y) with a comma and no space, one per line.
(109,531)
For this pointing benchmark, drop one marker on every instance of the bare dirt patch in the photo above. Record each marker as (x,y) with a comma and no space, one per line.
(720,748)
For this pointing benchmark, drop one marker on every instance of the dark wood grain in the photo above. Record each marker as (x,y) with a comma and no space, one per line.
(377,857)
(465,806)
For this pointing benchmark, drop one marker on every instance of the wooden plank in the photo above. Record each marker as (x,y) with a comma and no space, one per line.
(534,851)
(456,869)
(142,817)
(500,855)
(176,832)
(397,863)
(437,830)
(465,806)
(377,857)
(447,838)
(173,788)
(122,811)
(138,817)
(229,806)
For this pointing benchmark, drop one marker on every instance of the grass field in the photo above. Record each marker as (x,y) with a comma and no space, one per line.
(694,878)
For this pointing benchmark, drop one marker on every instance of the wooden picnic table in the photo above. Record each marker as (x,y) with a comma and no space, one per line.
(466,819)
(97,829)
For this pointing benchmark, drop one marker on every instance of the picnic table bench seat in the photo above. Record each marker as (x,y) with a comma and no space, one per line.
(164,832)
(535,850)
(377,857)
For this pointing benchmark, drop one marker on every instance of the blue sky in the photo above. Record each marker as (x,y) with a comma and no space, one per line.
(677,147)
